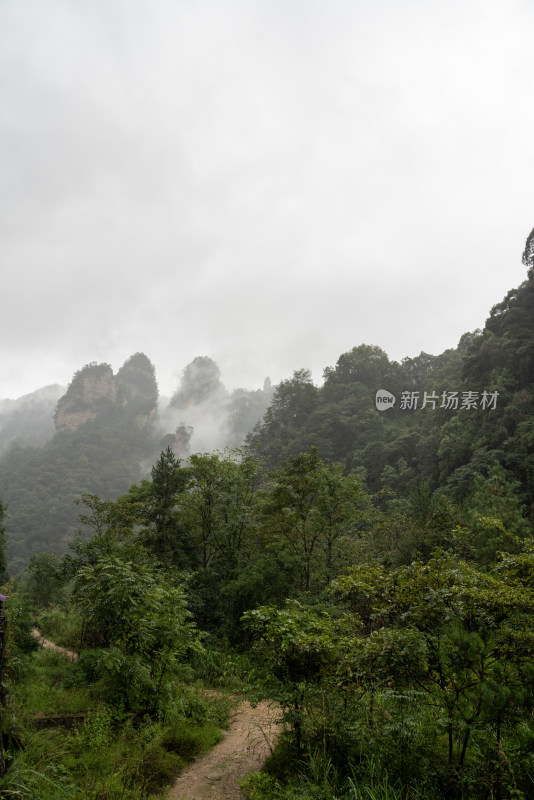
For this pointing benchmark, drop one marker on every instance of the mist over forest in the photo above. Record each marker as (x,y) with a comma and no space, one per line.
(102,433)
(105,431)
(360,552)
(266,400)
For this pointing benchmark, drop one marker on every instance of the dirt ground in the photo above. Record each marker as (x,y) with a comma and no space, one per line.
(51,646)
(247,743)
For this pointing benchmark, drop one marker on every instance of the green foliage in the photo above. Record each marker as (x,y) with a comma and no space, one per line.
(279,435)
(166,535)
(427,664)
(442,447)
(310,507)
(19,641)
(142,622)
(105,753)
(3,556)
(218,512)
(63,626)
(382,565)
(296,644)
(44,579)
(223,668)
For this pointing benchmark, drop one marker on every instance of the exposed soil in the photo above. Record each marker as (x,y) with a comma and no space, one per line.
(247,743)
(51,646)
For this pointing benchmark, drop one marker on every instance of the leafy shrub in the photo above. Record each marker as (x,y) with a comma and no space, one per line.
(260,786)
(64,628)
(97,728)
(158,768)
(183,740)
(84,672)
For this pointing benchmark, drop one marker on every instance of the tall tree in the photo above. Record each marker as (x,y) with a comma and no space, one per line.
(168,480)
(3,557)
(310,505)
(528,252)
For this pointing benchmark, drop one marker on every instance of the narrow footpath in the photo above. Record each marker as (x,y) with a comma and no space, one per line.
(51,646)
(247,743)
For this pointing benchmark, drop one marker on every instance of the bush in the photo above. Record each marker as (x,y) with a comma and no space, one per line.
(64,628)
(260,786)
(220,668)
(198,707)
(158,768)
(188,741)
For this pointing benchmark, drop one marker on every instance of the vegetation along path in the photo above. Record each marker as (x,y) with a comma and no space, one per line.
(247,743)
(51,646)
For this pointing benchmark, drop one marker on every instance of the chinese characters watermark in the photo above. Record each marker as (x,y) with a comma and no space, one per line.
(451,401)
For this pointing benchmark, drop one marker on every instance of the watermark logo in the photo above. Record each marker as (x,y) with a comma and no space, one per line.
(384,400)
(452,401)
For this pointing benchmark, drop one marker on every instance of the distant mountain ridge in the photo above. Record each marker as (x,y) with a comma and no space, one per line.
(110,429)
(102,434)
(29,420)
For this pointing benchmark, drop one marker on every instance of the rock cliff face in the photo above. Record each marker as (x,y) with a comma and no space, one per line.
(137,390)
(201,383)
(95,391)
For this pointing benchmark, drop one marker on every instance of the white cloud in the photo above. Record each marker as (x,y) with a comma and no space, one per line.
(267,184)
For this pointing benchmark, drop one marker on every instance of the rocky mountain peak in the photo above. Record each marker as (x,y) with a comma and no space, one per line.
(95,391)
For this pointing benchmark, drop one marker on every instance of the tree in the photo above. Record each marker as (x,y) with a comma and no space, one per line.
(495,518)
(45,579)
(528,252)
(366,364)
(459,642)
(280,433)
(296,644)
(111,523)
(218,507)
(142,622)
(3,557)
(310,505)
(218,513)
(168,481)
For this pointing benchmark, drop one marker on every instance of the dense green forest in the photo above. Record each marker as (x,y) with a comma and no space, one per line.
(371,571)
(442,443)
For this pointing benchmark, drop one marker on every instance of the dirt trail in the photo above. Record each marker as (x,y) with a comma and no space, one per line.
(51,646)
(246,744)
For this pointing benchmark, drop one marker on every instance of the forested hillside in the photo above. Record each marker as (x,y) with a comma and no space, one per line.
(103,434)
(456,415)
(366,561)
(446,440)
(396,636)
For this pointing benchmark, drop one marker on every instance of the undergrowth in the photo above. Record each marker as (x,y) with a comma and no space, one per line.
(108,754)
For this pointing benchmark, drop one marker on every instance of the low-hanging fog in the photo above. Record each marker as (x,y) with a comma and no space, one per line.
(213,417)
(269,184)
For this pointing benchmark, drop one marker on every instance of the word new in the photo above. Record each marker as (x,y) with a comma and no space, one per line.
(410,401)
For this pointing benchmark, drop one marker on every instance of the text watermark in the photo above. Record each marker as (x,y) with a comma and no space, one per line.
(451,401)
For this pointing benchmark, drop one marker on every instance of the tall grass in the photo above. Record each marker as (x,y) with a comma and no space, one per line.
(62,627)
(110,755)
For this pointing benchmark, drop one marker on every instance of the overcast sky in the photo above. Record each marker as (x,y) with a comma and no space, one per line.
(266,183)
